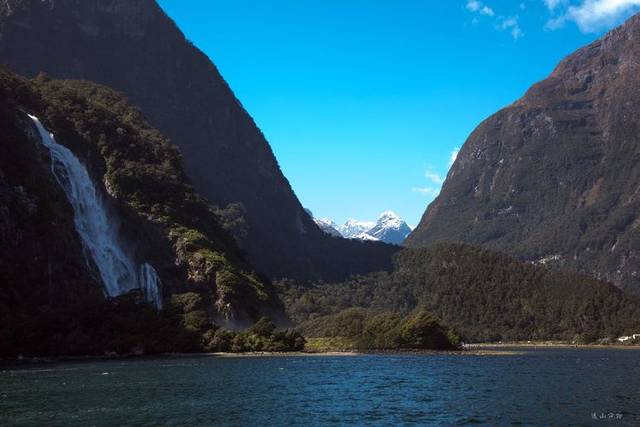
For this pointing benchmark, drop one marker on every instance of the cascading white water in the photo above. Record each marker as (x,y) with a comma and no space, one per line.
(98,232)
(149,284)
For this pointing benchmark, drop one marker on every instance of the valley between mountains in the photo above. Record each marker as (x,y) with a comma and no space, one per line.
(143,211)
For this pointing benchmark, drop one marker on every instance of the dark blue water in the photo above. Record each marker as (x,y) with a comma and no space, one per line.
(539,387)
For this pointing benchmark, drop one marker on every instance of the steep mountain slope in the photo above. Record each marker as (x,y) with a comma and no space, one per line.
(132,46)
(555,177)
(44,271)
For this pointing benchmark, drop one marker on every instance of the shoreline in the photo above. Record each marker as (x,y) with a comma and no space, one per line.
(474,349)
(27,361)
(549,344)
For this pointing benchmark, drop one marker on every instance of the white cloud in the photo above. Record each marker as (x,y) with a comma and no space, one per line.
(436,179)
(453,156)
(502,23)
(474,5)
(590,15)
(552,4)
(593,15)
(479,7)
(433,177)
(555,23)
(510,24)
(486,10)
(426,191)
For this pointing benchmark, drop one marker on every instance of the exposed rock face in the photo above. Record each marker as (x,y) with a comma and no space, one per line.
(555,177)
(132,46)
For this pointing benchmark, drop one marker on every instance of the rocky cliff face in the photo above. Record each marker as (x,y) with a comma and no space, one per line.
(132,46)
(555,177)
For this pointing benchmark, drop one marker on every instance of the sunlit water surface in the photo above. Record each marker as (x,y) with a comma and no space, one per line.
(537,387)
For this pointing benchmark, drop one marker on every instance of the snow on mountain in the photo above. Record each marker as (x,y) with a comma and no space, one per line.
(328,226)
(365,236)
(354,229)
(389,228)
(325,224)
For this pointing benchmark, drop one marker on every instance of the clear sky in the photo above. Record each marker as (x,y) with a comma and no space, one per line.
(364,101)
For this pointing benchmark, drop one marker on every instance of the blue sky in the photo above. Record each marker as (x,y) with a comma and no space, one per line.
(364,101)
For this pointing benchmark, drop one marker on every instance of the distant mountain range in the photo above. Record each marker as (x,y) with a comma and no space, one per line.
(389,228)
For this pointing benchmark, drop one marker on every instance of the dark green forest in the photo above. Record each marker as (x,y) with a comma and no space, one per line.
(480,294)
(362,329)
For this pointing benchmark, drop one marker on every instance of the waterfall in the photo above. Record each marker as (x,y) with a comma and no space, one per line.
(98,232)
(149,284)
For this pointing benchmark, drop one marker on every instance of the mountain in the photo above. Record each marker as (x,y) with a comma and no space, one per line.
(133,47)
(101,218)
(555,177)
(365,237)
(354,229)
(390,229)
(328,227)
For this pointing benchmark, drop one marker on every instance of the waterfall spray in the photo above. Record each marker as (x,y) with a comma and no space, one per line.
(149,284)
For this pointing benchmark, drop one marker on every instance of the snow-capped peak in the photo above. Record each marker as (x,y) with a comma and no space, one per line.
(326,221)
(390,219)
(354,228)
(328,226)
(389,228)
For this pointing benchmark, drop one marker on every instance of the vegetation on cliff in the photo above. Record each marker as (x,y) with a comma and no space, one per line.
(142,171)
(45,277)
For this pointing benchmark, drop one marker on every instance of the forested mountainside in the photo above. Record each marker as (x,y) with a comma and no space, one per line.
(52,298)
(555,177)
(481,294)
(133,47)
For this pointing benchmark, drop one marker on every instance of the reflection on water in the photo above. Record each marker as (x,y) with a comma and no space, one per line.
(538,387)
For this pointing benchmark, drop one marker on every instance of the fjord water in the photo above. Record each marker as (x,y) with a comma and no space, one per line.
(97,230)
(534,387)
